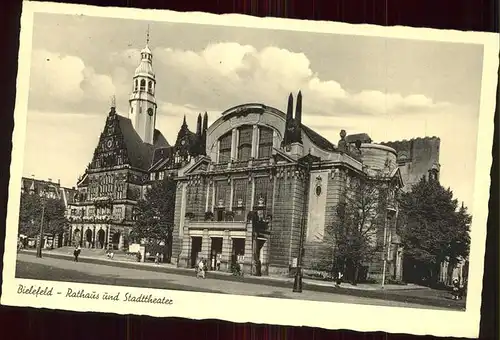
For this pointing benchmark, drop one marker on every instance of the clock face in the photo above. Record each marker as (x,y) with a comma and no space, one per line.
(109,144)
(150,111)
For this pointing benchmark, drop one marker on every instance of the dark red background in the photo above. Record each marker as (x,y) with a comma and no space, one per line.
(17,323)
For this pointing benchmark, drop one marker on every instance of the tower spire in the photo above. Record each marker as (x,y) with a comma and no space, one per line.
(289,109)
(147,36)
(298,110)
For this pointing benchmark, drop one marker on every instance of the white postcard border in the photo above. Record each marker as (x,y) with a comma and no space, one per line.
(256,309)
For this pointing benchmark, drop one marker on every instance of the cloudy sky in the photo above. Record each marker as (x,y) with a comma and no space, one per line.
(392,89)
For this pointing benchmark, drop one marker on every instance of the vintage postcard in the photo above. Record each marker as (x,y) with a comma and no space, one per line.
(250,169)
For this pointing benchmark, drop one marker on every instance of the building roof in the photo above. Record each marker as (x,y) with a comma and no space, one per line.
(140,154)
(362,137)
(317,139)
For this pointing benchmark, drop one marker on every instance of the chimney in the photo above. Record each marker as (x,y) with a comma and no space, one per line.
(289,109)
(198,125)
(58,181)
(298,110)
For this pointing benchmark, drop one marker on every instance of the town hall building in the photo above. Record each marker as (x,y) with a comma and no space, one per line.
(253,188)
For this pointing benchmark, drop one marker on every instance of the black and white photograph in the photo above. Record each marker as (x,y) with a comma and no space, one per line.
(250,169)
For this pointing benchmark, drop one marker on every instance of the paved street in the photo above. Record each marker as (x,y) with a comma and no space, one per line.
(47,268)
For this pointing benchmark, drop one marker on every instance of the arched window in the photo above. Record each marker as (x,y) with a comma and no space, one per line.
(265,142)
(143,85)
(225,148)
(136,85)
(245,143)
(150,87)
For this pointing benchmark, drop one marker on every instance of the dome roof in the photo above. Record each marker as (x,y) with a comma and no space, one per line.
(145,67)
(146,50)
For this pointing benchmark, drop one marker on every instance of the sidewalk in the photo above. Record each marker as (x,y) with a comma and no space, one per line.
(407,293)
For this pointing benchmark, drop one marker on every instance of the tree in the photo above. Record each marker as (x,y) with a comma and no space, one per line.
(359,217)
(433,229)
(155,216)
(30,215)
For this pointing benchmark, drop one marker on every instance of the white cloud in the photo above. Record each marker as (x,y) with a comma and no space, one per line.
(61,80)
(234,71)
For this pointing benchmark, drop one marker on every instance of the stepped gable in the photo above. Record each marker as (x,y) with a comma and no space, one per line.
(317,139)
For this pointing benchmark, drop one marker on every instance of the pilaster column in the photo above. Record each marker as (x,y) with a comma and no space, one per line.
(255,141)
(252,199)
(185,256)
(226,251)
(234,144)
(213,196)
(231,185)
(205,245)
(207,196)
(249,248)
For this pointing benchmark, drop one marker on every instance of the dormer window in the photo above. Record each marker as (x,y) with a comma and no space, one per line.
(245,143)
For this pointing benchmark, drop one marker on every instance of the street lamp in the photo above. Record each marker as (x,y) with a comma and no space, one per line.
(297,282)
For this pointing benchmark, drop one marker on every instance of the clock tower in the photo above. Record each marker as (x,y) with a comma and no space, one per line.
(142,111)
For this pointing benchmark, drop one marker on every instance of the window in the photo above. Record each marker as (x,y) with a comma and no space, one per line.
(152,176)
(225,148)
(265,142)
(150,87)
(245,143)
(136,85)
(239,199)
(161,175)
(143,85)
(261,186)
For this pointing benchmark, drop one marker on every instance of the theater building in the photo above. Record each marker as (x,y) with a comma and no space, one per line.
(252,188)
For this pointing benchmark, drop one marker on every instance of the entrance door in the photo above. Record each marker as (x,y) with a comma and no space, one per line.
(215,251)
(116,240)
(76,237)
(88,237)
(195,249)
(238,250)
(100,236)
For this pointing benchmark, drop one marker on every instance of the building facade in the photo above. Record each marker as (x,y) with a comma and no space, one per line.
(253,188)
(48,189)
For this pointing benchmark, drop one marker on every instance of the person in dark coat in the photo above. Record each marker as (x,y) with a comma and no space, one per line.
(457,293)
(76,253)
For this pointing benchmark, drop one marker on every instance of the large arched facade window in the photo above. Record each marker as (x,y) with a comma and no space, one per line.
(245,142)
(265,149)
(225,148)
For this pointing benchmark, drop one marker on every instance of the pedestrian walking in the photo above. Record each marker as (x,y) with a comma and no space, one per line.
(157,258)
(76,253)
(338,280)
(201,269)
(218,261)
(457,293)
